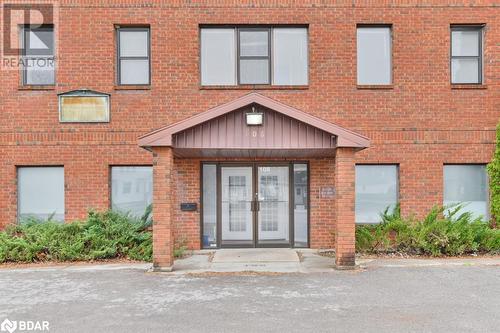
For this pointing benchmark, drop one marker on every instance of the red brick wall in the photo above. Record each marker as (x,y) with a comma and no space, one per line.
(421,123)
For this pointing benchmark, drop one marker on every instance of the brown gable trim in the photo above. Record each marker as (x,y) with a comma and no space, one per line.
(345,137)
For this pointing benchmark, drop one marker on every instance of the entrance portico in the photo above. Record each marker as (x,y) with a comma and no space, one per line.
(254,189)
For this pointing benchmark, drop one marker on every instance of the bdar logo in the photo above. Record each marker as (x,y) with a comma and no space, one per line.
(8,326)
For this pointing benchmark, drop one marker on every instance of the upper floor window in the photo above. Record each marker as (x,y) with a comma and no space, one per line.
(37,45)
(466,54)
(133,56)
(374,51)
(254,55)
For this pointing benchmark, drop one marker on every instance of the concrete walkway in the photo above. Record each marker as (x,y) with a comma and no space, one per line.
(298,261)
(263,261)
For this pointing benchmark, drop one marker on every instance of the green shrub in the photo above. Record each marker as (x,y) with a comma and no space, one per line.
(494,173)
(444,231)
(101,236)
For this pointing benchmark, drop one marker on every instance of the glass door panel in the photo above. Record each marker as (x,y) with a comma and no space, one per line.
(273,206)
(236,214)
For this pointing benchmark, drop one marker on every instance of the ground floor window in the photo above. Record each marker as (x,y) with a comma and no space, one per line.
(131,189)
(40,193)
(467,185)
(255,204)
(376,190)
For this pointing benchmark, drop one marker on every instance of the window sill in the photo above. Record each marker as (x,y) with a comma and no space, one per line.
(133,87)
(254,87)
(469,86)
(375,86)
(37,87)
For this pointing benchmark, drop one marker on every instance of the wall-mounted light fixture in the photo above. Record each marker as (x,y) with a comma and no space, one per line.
(254,118)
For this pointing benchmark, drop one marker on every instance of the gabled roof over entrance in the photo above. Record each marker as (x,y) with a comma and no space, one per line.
(223,132)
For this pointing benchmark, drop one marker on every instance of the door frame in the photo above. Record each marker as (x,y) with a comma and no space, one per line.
(291,200)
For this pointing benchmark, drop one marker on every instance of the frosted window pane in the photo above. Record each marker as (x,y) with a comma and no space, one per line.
(465,43)
(254,43)
(290,56)
(467,184)
(254,71)
(374,55)
(465,70)
(41,192)
(218,57)
(376,189)
(134,71)
(300,204)
(39,71)
(133,43)
(209,205)
(131,189)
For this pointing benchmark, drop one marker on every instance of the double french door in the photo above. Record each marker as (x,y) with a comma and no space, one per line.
(255,205)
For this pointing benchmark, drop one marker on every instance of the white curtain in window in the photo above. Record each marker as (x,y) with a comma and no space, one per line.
(467,185)
(290,56)
(41,192)
(218,57)
(374,55)
(131,189)
(376,190)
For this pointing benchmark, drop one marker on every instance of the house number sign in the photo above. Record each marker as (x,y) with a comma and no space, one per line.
(327,192)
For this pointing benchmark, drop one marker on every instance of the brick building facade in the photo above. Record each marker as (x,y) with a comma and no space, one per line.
(419,121)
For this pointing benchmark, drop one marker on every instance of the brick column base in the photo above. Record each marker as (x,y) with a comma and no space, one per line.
(345,225)
(163,209)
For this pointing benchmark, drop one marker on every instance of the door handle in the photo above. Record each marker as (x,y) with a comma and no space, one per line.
(255,205)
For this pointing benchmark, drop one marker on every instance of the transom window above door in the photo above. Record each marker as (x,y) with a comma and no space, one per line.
(256,55)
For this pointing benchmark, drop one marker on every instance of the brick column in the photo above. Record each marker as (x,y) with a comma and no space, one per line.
(163,209)
(344,226)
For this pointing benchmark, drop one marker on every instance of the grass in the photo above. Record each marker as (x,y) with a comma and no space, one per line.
(443,232)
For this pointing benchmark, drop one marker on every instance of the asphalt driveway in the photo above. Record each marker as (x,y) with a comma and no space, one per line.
(377,299)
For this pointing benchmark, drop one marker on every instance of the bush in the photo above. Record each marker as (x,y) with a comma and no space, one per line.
(442,232)
(101,236)
(494,173)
